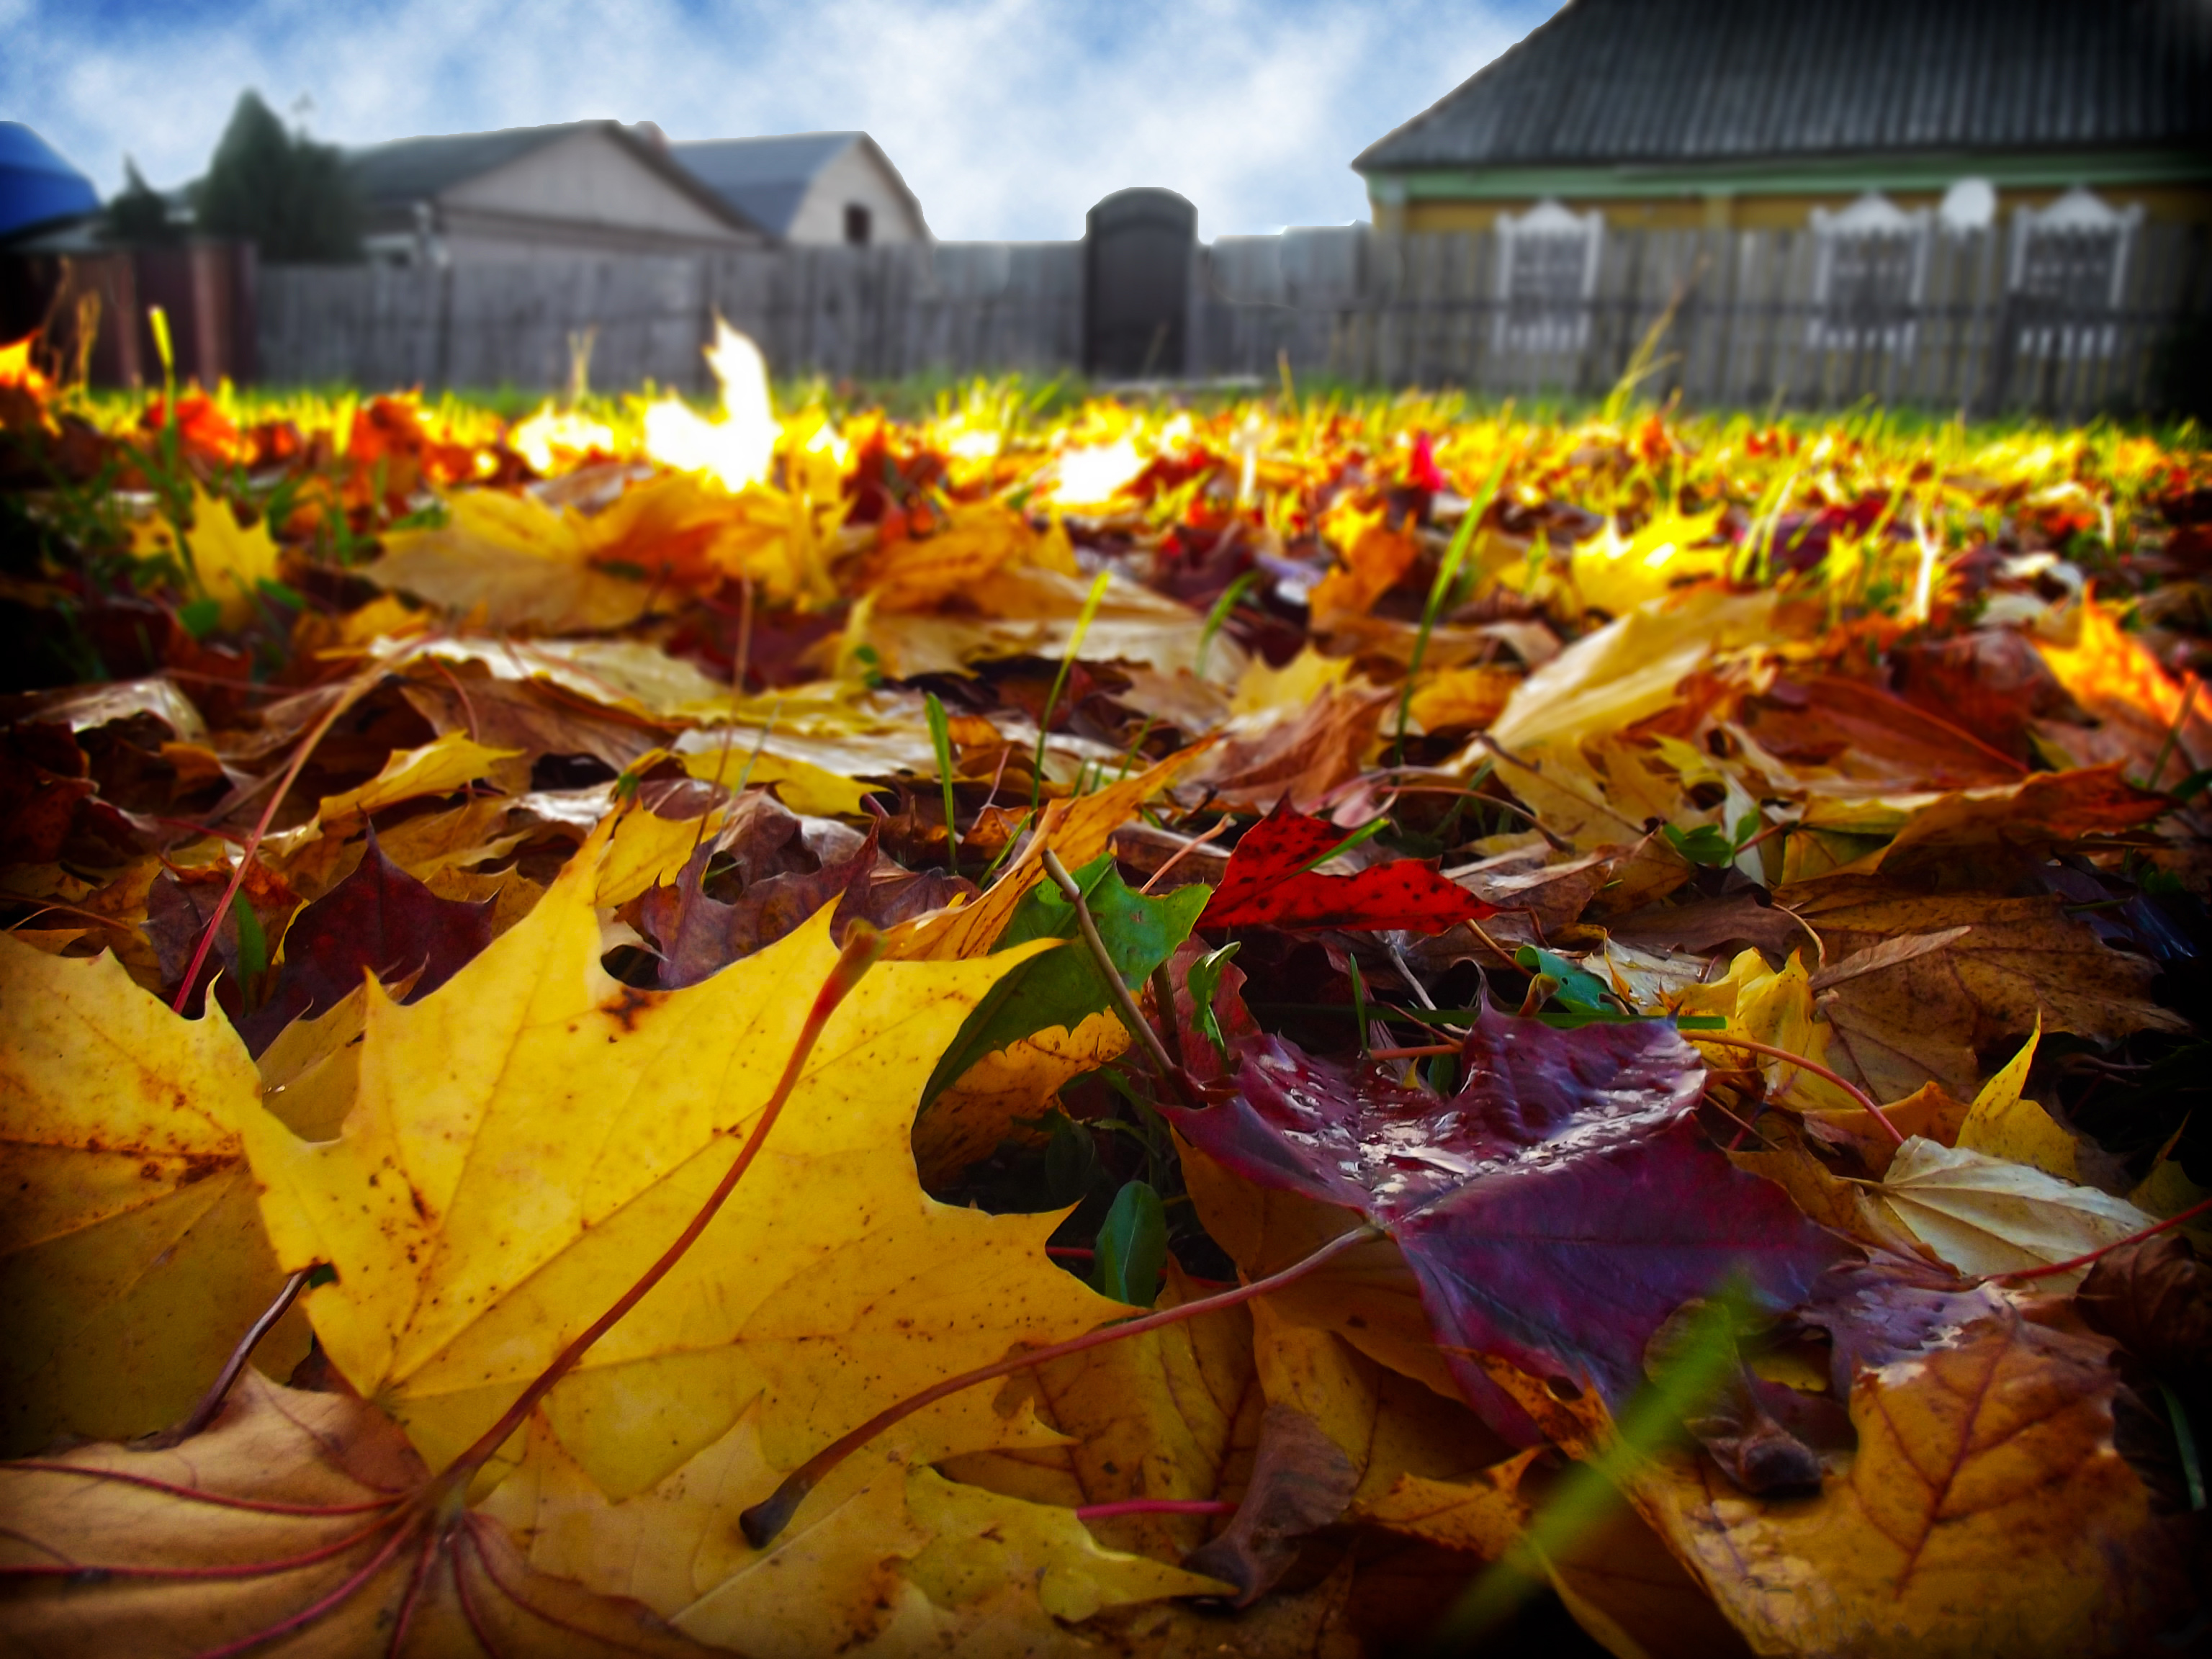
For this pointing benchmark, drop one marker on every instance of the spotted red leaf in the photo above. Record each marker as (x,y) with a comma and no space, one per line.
(1267,882)
(1555,1211)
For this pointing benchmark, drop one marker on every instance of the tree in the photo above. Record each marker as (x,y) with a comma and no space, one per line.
(280,190)
(140,215)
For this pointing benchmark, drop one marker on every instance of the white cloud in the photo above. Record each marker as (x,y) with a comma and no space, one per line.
(1008,117)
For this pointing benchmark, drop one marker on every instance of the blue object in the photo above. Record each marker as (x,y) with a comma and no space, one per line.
(37,186)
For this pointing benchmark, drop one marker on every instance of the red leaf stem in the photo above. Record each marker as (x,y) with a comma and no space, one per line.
(765,1519)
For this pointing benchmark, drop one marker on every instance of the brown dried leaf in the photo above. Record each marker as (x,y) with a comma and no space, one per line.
(276,1445)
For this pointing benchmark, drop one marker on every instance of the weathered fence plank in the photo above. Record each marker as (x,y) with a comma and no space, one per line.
(1743,316)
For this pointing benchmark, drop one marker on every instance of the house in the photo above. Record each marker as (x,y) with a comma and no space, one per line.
(580,189)
(2063,126)
(810,186)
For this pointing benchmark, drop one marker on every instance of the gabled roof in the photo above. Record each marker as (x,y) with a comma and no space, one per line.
(767,179)
(1612,82)
(37,186)
(409,170)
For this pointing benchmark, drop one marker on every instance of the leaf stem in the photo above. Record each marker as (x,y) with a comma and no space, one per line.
(864,945)
(2067,1266)
(1124,1004)
(1864,1099)
(1180,853)
(354,691)
(211,1402)
(196,1495)
(1163,1004)
(764,1519)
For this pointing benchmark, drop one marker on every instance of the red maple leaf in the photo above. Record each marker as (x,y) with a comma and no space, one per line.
(1270,879)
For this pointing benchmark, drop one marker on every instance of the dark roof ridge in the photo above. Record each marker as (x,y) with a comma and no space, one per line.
(1661,83)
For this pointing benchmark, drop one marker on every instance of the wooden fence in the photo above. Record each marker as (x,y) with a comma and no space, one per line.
(1745,323)
(962,307)
(1747,320)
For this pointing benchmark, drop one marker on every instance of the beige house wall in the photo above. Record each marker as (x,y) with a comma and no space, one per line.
(856,176)
(582,195)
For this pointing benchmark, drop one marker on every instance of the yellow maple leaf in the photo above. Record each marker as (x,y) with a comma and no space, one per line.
(131,1257)
(514,561)
(534,1134)
(915,574)
(986,1104)
(648,850)
(803,787)
(1374,557)
(231,561)
(2004,1124)
(443,767)
(886,1556)
(1172,1414)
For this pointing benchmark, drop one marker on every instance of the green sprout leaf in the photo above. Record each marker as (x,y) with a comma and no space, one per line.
(1708,844)
(1205,982)
(1132,1247)
(940,739)
(1065,986)
(1579,992)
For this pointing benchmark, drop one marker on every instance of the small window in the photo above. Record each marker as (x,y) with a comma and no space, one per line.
(1870,262)
(857,225)
(1547,273)
(2069,262)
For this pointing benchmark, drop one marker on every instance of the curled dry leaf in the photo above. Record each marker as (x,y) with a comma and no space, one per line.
(1926,1018)
(265,1529)
(1989,1215)
(2154,1298)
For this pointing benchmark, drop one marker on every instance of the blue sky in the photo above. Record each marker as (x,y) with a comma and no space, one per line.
(1008,117)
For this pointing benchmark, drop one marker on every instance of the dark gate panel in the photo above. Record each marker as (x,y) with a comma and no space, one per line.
(1138,247)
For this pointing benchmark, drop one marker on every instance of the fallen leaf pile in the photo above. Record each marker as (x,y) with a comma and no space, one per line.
(1305,1026)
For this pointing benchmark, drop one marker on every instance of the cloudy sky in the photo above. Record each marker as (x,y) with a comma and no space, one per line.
(1008,117)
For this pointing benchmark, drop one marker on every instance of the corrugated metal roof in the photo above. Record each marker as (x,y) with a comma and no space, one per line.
(419,169)
(765,179)
(408,170)
(1625,83)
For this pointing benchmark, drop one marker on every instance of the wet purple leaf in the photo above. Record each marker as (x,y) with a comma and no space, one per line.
(1555,1211)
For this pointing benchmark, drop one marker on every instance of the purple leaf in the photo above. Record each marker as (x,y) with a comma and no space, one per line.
(1555,1211)
(379,921)
(698,935)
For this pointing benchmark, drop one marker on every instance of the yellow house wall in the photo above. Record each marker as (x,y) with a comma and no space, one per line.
(2176,203)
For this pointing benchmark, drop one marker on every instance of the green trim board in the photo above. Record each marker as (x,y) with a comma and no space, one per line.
(1794,176)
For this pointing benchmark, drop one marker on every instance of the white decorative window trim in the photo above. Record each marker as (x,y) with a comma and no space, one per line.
(1546,275)
(1842,241)
(2088,219)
